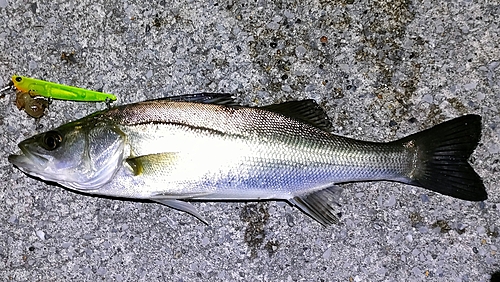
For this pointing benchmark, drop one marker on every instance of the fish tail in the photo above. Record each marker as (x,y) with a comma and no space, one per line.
(442,154)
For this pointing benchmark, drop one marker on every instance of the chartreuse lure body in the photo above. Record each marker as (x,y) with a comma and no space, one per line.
(37,87)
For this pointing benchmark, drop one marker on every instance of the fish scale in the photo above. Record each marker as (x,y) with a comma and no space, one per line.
(287,145)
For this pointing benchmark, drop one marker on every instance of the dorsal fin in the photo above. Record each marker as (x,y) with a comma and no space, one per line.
(205,98)
(307,111)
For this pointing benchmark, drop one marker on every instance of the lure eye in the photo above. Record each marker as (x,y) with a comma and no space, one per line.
(18,79)
(51,140)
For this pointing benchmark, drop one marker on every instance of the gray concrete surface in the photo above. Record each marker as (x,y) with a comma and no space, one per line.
(382,70)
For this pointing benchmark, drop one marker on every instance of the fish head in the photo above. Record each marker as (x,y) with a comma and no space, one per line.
(80,156)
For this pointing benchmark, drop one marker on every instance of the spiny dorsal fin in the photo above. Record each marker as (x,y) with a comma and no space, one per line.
(205,98)
(321,205)
(307,111)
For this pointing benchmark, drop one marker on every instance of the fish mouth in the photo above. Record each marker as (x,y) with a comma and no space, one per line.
(28,161)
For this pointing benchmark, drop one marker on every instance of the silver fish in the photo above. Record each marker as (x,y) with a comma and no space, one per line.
(206,147)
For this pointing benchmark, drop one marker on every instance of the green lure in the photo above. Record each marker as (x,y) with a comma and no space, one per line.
(37,87)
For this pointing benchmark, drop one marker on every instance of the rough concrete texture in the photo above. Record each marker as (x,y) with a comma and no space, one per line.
(381,69)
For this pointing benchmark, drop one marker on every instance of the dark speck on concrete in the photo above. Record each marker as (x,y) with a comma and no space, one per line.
(443,225)
(256,216)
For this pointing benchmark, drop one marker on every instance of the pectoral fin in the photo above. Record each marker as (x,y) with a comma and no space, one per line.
(182,206)
(321,205)
(158,164)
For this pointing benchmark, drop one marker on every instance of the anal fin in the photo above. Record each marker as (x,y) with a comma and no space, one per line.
(182,206)
(322,205)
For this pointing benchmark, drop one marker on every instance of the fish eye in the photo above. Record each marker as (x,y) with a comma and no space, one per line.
(51,140)
(18,79)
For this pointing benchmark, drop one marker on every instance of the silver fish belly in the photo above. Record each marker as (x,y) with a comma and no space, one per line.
(178,149)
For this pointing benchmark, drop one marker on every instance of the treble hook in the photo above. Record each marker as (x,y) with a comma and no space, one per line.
(10,85)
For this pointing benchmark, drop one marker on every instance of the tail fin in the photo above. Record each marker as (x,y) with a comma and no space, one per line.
(442,153)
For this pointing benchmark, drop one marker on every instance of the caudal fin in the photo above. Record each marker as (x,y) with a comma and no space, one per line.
(443,151)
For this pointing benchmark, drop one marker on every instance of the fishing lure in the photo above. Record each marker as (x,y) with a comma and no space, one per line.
(37,87)
(33,106)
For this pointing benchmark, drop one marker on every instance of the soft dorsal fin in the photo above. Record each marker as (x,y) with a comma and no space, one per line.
(307,111)
(205,98)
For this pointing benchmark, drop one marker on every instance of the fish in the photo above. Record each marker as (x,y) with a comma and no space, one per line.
(208,147)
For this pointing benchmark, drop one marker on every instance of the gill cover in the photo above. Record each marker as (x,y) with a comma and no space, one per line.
(77,156)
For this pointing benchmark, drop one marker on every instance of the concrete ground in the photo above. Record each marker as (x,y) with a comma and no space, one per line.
(381,70)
